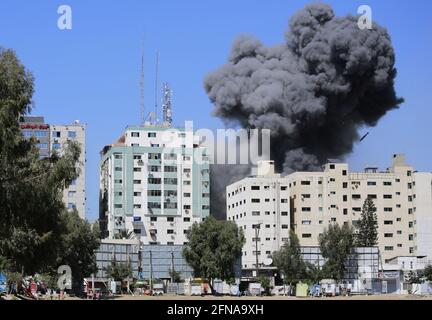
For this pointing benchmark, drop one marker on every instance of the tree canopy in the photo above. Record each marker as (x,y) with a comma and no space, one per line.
(336,244)
(367,235)
(213,248)
(37,233)
(289,262)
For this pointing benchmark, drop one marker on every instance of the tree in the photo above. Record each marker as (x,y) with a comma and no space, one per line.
(289,262)
(175,276)
(213,248)
(336,244)
(30,188)
(265,284)
(368,225)
(79,241)
(428,273)
(118,270)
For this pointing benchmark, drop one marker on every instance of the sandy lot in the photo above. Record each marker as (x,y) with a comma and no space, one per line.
(370,297)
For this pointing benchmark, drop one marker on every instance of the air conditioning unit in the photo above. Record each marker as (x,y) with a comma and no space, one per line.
(186,210)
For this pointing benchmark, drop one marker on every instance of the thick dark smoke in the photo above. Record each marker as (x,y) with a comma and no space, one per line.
(314,91)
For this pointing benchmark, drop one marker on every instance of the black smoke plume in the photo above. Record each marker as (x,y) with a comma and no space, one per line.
(314,91)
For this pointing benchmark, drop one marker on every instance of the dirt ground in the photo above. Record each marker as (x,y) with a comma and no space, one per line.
(370,297)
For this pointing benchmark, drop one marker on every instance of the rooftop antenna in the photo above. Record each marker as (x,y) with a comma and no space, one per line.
(167,104)
(156,88)
(142,84)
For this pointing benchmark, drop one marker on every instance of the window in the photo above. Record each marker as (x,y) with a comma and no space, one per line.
(170,219)
(345,198)
(137,157)
(284,213)
(56,134)
(344,185)
(284,200)
(118,156)
(72,134)
(399,232)
(284,226)
(255,213)
(137,169)
(170,156)
(306,235)
(186,219)
(344,172)
(42,145)
(137,181)
(371,183)
(372,196)
(186,194)
(410,224)
(153,205)
(388,235)
(154,156)
(305,183)
(137,206)
(388,222)
(387,183)
(154,193)
(306,209)
(118,193)
(388,248)
(154,168)
(388,196)
(170,180)
(356,196)
(153,219)
(332,166)
(151,134)
(306,196)
(118,181)
(170,231)
(255,200)
(135,134)
(170,168)
(118,206)
(255,188)
(388,209)
(56,146)
(410,237)
(137,194)
(306,222)
(283,188)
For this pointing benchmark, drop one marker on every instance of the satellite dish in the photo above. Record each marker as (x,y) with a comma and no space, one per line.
(268,261)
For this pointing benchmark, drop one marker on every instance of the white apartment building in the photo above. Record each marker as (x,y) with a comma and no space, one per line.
(53,138)
(154,184)
(260,206)
(423,213)
(336,195)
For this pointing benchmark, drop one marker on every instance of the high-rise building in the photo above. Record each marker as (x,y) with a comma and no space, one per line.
(154,184)
(53,138)
(307,202)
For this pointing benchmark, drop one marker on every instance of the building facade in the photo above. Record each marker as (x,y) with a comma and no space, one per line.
(154,183)
(335,195)
(260,206)
(53,138)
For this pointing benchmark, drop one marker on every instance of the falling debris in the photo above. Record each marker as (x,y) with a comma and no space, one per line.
(364,137)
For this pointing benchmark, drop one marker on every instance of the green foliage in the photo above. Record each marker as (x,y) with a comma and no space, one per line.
(118,271)
(213,248)
(175,276)
(314,274)
(289,262)
(428,273)
(336,244)
(265,284)
(78,243)
(368,225)
(37,234)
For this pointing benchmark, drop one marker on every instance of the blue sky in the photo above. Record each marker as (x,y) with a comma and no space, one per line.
(91,72)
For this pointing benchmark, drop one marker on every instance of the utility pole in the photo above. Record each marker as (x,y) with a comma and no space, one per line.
(257,228)
(172,266)
(151,273)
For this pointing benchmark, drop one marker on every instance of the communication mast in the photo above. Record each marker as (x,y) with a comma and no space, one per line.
(142,87)
(167,104)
